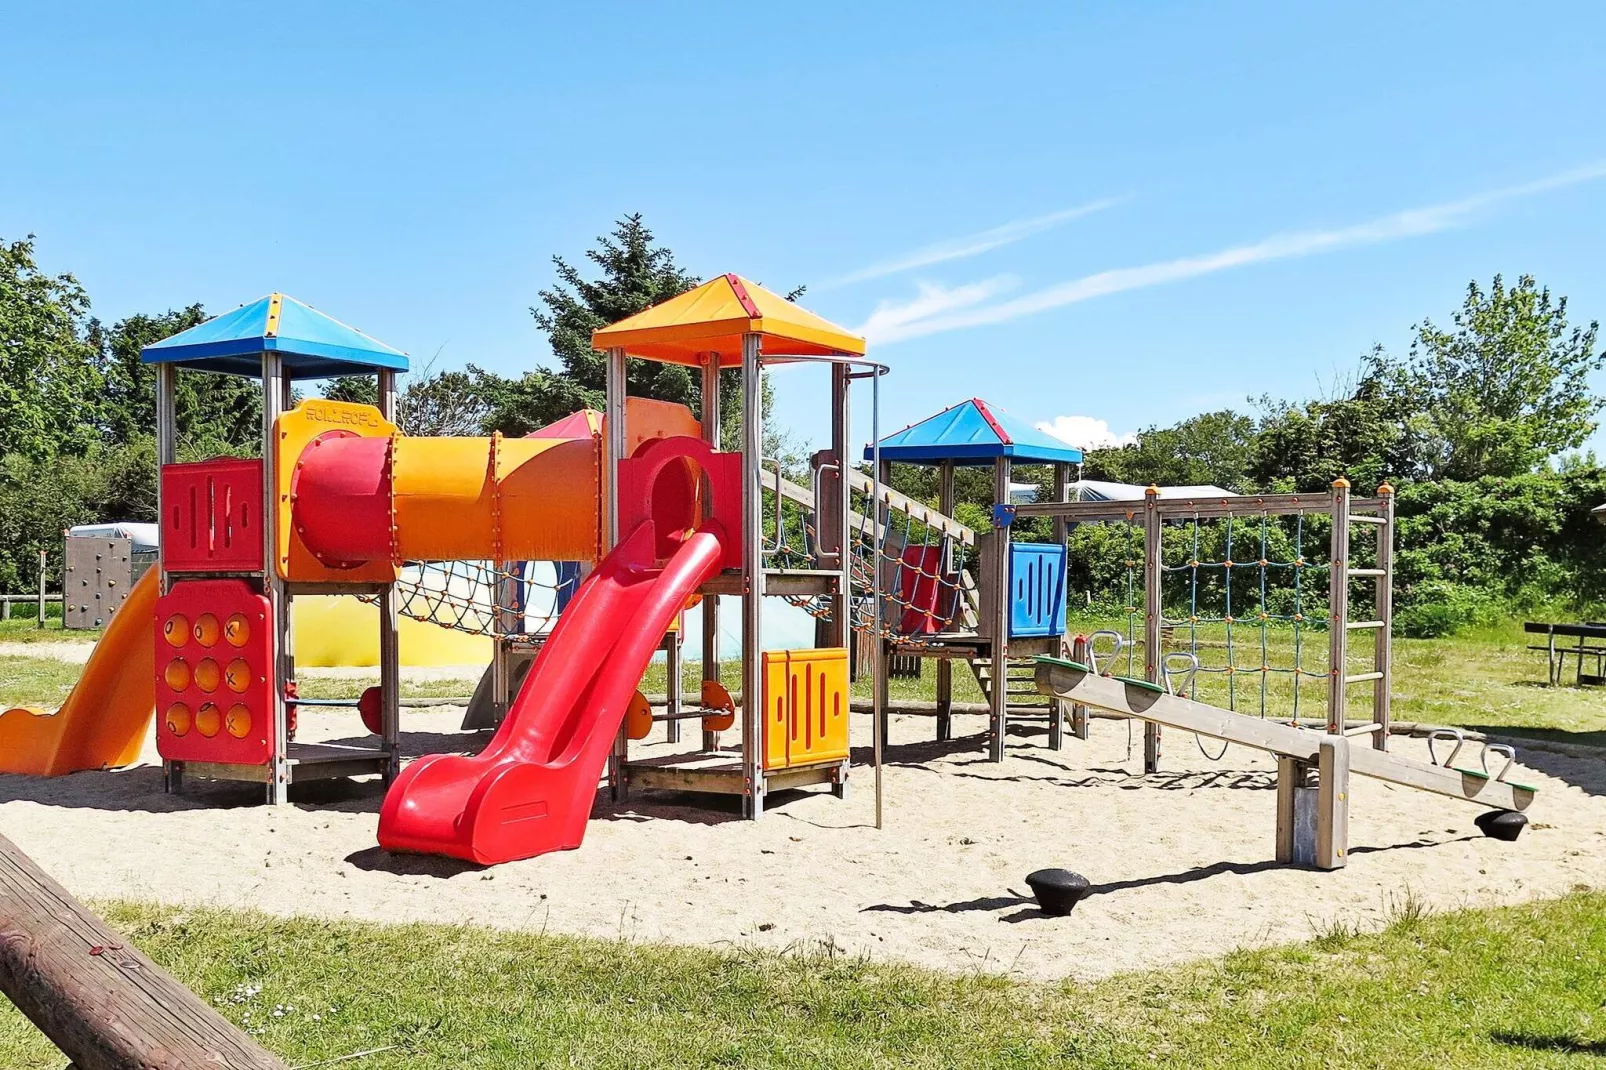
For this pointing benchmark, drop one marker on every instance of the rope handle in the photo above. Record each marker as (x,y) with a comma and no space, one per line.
(1445,733)
(1190,669)
(1121,643)
(1499,748)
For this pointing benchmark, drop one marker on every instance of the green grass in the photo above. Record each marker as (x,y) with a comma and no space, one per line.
(25,629)
(31,681)
(1516,987)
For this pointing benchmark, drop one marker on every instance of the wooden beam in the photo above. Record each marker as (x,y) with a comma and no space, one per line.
(105,1005)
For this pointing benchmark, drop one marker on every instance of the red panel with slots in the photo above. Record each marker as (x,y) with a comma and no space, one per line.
(214,668)
(212,516)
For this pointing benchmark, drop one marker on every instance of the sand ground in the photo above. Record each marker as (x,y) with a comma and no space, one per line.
(1181,861)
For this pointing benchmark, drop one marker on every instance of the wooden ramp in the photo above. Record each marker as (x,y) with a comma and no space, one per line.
(105,1005)
(1300,752)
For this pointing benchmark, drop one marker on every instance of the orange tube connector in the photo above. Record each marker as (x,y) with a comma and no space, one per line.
(397,498)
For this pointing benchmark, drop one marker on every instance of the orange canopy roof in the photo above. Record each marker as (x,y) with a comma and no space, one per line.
(713,318)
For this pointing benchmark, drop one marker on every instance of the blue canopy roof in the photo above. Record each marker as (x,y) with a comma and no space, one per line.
(971,433)
(312,345)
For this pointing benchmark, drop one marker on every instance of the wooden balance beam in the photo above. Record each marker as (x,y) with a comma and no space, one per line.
(105,1005)
(1300,751)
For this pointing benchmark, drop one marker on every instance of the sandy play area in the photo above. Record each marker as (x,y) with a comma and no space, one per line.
(1181,861)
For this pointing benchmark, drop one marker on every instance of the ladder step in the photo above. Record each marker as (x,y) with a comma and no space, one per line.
(1356,624)
(1361,678)
(1363,729)
(1363,573)
(1365,518)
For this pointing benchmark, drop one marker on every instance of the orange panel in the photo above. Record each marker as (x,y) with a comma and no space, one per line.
(805,707)
(817,685)
(294,431)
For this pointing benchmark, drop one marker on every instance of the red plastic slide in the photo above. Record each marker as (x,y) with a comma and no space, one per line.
(530,791)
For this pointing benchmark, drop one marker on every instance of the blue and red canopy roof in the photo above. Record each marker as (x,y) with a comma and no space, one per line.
(973,433)
(313,345)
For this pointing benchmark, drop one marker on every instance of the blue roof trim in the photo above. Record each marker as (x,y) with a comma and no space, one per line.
(311,345)
(974,433)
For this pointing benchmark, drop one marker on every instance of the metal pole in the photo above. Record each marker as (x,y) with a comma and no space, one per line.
(273,393)
(998,693)
(616,387)
(878,668)
(711,601)
(753,566)
(1382,688)
(883,517)
(1152,610)
(389,629)
(166,454)
(1338,608)
(948,566)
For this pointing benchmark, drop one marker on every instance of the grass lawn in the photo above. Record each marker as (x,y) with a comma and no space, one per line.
(1516,987)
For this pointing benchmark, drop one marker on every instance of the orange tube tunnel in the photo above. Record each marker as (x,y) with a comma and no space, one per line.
(398,498)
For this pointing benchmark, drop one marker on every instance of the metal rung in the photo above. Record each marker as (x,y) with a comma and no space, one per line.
(1364,572)
(1361,678)
(1364,729)
(1364,518)
(1356,624)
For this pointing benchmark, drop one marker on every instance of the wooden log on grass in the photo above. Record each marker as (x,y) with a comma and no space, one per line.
(105,1005)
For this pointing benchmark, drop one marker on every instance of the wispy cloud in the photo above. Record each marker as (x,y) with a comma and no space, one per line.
(933,302)
(973,244)
(1086,432)
(892,321)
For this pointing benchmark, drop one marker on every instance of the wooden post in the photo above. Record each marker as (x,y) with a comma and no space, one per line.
(1332,803)
(1338,608)
(998,693)
(672,683)
(44,562)
(1382,688)
(1152,609)
(1057,708)
(889,613)
(948,566)
(1290,778)
(98,999)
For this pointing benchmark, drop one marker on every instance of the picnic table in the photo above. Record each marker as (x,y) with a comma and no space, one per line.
(1575,642)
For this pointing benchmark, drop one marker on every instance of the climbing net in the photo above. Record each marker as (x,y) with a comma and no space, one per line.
(1247,596)
(925,586)
(520,599)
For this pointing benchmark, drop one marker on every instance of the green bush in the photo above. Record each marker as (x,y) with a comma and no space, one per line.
(1438,609)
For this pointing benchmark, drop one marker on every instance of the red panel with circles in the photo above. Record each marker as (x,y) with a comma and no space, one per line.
(214,673)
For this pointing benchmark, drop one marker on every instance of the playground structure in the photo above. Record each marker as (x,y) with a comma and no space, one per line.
(342,503)
(575,550)
(1315,756)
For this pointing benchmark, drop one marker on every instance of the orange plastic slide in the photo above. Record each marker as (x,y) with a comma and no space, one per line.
(104,720)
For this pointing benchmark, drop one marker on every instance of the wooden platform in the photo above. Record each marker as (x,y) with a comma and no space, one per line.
(307,761)
(720,773)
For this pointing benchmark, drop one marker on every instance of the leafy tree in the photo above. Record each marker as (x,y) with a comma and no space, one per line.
(216,414)
(635,274)
(359,389)
(1214,448)
(1376,432)
(49,386)
(1508,386)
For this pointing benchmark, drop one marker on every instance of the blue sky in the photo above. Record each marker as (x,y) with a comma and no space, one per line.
(1125,213)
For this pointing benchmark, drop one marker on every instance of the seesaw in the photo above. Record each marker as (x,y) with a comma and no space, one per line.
(1312,818)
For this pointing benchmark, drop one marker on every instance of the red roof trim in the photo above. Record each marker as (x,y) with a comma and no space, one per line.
(981,407)
(741,295)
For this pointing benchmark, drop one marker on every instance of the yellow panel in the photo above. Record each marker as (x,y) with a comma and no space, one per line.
(776,708)
(329,631)
(293,431)
(818,694)
(648,418)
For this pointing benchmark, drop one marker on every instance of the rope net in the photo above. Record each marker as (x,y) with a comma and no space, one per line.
(515,600)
